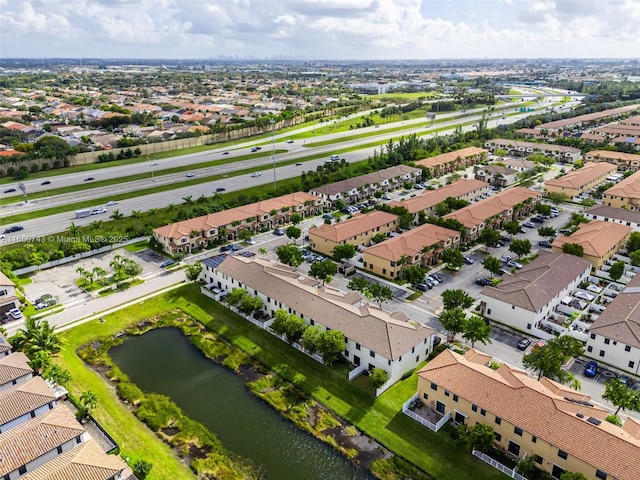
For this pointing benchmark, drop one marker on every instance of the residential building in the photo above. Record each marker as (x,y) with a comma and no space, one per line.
(517,148)
(5,347)
(422,245)
(611,132)
(463,189)
(452,161)
(373,337)
(492,212)
(199,232)
(616,215)
(526,298)
(599,240)
(625,194)
(364,186)
(577,182)
(14,370)
(496,175)
(559,425)
(358,231)
(8,298)
(518,164)
(624,161)
(24,401)
(581,121)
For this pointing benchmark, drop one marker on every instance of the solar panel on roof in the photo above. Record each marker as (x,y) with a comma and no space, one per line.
(214,261)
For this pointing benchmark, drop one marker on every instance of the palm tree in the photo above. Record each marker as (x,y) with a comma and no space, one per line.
(89,401)
(73,229)
(37,336)
(154,213)
(202,199)
(188,201)
(96,226)
(118,217)
(100,273)
(82,272)
(136,215)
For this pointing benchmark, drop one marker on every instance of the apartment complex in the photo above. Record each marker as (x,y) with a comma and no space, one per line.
(495,210)
(364,186)
(625,194)
(624,161)
(576,182)
(452,161)
(614,338)
(358,231)
(526,298)
(373,337)
(531,417)
(422,245)
(615,215)
(523,149)
(199,232)
(599,240)
(497,175)
(589,119)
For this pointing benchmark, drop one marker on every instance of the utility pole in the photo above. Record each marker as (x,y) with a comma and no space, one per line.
(273,151)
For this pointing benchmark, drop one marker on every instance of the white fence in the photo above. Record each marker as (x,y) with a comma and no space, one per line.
(430,425)
(356,372)
(78,256)
(496,464)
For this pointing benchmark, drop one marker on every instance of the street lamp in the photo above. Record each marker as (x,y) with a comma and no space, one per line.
(151,167)
(273,150)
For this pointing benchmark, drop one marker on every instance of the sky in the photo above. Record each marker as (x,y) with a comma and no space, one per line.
(320,29)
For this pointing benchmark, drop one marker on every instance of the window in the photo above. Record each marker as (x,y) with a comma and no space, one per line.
(22,470)
(517,431)
(434,387)
(483,412)
(498,437)
(606,341)
(474,408)
(534,439)
(601,475)
(593,336)
(447,393)
(425,396)
(498,420)
(562,454)
(631,364)
(59,449)
(372,354)
(488,311)
(539,459)
(455,398)
(602,353)
(627,348)
(357,345)
(589,348)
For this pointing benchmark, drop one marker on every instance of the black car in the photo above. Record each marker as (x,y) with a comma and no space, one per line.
(10,190)
(483,281)
(225,153)
(544,244)
(537,220)
(225,248)
(15,228)
(505,239)
(46,182)
(423,287)
(220,189)
(88,179)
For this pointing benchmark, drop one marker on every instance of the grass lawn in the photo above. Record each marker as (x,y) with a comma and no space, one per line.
(136,247)
(381,418)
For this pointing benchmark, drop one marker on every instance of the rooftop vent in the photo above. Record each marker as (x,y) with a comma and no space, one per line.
(595,421)
(579,415)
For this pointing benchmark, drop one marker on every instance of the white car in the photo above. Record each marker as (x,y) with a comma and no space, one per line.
(15,313)
(190,175)
(111,203)
(154,164)
(256,174)
(98,210)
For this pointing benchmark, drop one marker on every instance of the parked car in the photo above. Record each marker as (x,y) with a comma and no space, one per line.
(537,219)
(513,263)
(15,313)
(523,344)
(225,248)
(626,381)
(538,344)
(435,279)
(235,247)
(436,276)
(505,258)
(278,232)
(385,197)
(529,224)
(327,215)
(544,244)
(505,239)
(483,281)
(430,282)
(468,260)
(423,287)
(167,263)
(591,369)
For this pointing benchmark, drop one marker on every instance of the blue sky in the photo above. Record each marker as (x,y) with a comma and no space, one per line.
(320,29)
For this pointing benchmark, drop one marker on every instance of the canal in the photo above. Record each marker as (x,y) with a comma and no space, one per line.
(164,361)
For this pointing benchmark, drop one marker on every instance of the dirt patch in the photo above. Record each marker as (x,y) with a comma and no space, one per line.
(170,431)
(367,448)
(248,373)
(198,452)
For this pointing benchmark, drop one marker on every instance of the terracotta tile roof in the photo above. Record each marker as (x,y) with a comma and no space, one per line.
(87,461)
(550,147)
(582,176)
(540,411)
(24,398)
(620,321)
(539,282)
(36,437)
(477,213)
(412,242)
(362,180)
(588,117)
(614,213)
(444,158)
(226,217)
(627,188)
(4,344)
(430,198)
(367,325)
(596,237)
(360,223)
(630,121)
(13,367)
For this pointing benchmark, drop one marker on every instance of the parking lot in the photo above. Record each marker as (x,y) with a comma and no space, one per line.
(505,336)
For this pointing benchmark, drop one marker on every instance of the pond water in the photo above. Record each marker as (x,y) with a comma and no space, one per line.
(165,362)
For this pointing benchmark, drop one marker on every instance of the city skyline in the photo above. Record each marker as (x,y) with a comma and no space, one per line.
(319,29)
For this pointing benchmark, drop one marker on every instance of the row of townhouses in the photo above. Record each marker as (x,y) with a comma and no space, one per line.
(577,182)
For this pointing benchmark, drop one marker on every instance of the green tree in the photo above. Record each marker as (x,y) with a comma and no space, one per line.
(512,227)
(250,304)
(572,476)
(547,360)
(245,235)
(520,247)
(141,468)
(358,284)
(633,243)
(453,321)
(453,257)
(74,230)
(311,338)
(477,330)
(343,251)
(378,237)
(323,270)
(40,361)
(635,258)
(193,271)
(413,274)
(293,233)
(489,237)
(330,345)
(547,232)
(573,249)
(543,209)
(290,255)
(56,374)
(379,293)
(236,295)
(89,401)
(457,298)
(136,215)
(296,218)
(617,270)
(379,377)
(117,217)
(619,395)
(37,336)
(492,264)
(556,198)
(478,437)
(527,465)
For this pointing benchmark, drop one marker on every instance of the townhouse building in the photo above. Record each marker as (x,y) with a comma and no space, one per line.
(362,187)
(358,231)
(624,161)
(463,189)
(599,240)
(14,369)
(577,182)
(526,298)
(518,164)
(616,215)
(373,337)
(199,232)
(630,121)
(492,212)
(518,148)
(590,119)
(25,401)
(530,417)
(452,161)
(497,175)
(422,245)
(8,298)
(625,194)
(611,132)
